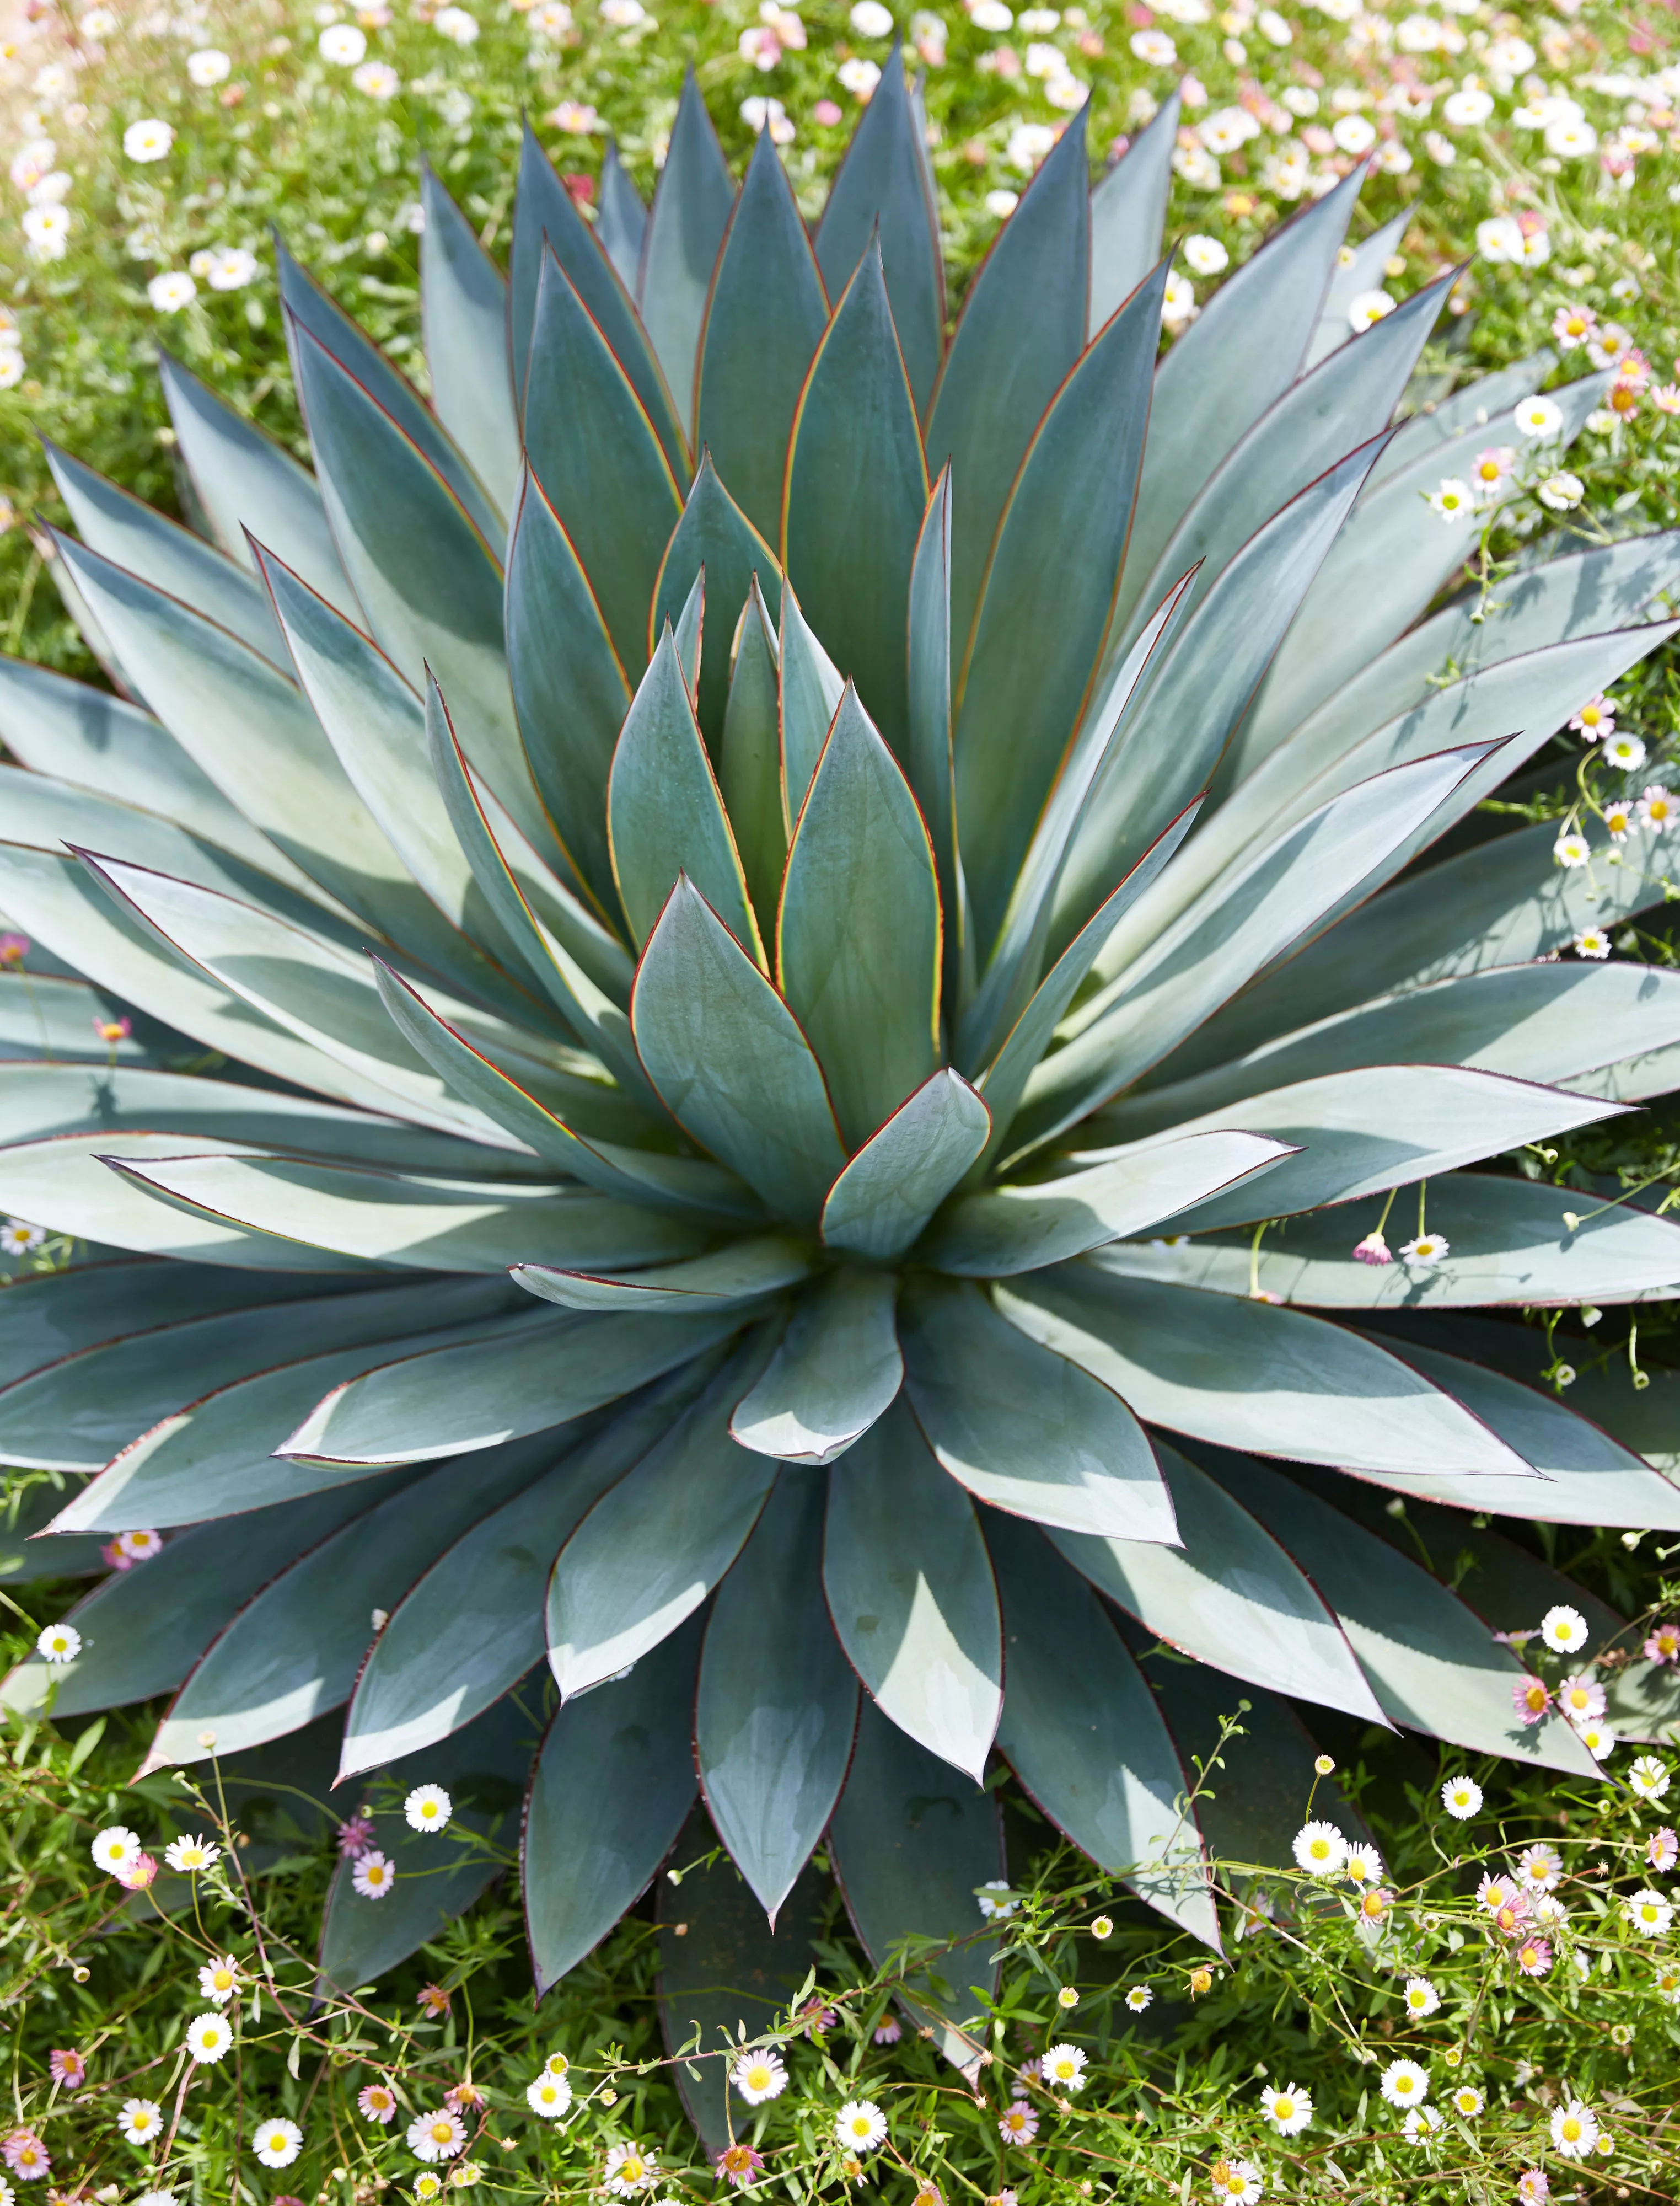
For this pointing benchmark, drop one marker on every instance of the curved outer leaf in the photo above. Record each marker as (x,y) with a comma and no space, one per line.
(1021,329)
(763,320)
(1129,205)
(749,760)
(811,691)
(1235,360)
(437,1226)
(665,816)
(1245,1374)
(245,481)
(612,1788)
(293,1651)
(1024,1429)
(1231,1596)
(732,1277)
(685,232)
(928,759)
(122,531)
(25,1559)
(714,536)
(61,1022)
(546,221)
(911,1594)
(1083,1733)
(1021,1228)
(592,446)
(891,1189)
(855,491)
(464,318)
(310,317)
(777,1707)
(469,1629)
(1346,1130)
(536,1372)
(428,578)
(728,1057)
(912,1845)
(1052,573)
(835,1370)
(621,219)
(211,1458)
(141,1631)
(76,1412)
(484,1768)
(569,688)
(649,1552)
(857,937)
(881,189)
(1433,1665)
(1511,1240)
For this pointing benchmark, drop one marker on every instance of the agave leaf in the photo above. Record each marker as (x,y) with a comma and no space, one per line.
(1382,1126)
(776,1707)
(749,760)
(79,1412)
(1053,569)
(899,1178)
(1433,1665)
(246,482)
(569,688)
(612,1789)
(1235,361)
(142,1631)
(685,233)
(1200,689)
(690,621)
(651,1549)
(464,316)
(855,492)
(124,533)
(470,1627)
(1021,1228)
(594,448)
(1024,1429)
(25,1560)
(47,1315)
(1243,1375)
(728,1057)
(912,1845)
(484,1768)
(445,1227)
(294,1650)
(665,816)
(545,221)
(1358,268)
(857,938)
(1231,1596)
(1021,329)
(1086,1738)
(911,1594)
(1250,915)
(714,537)
(1128,206)
(734,1277)
(621,219)
(311,318)
(928,758)
(811,692)
(835,1371)
(763,320)
(60,1022)
(721,1966)
(881,189)
(539,1370)
(1511,1240)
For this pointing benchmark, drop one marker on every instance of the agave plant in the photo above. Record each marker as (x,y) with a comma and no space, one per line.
(780,970)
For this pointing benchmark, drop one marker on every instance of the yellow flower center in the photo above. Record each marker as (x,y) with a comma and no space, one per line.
(1284,2108)
(1571,2130)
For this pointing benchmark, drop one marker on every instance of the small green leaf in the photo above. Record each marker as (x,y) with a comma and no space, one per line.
(902,1173)
(835,1370)
(733,1278)
(811,691)
(715,534)
(749,760)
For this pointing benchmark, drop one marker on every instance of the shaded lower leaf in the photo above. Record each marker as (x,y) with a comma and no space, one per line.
(835,1370)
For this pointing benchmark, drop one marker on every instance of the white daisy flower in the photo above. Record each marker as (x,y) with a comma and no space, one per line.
(219,1980)
(1648,1912)
(1467,2102)
(1426,1251)
(1575,2130)
(759,2075)
(191,1855)
(277,2142)
(1178,301)
(147,140)
(1404,2084)
(373,1874)
(1623,750)
(995,1910)
(114,1848)
(376,81)
(1648,1777)
(1462,1798)
(1453,500)
(1597,1737)
(1364,1865)
(548,2095)
(17,1237)
(1062,2068)
(860,2126)
(1539,1867)
(439,2135)
(1564,1630)
(1320,1849)
(1238,2180)
(171,291)
(427,1808)
(61,1642)
(208,2037)
(1466,111)
(342,43)
(1592,942)
(1366,307)
(1421,1996)
(1139,1997)
(1205,256)
(1289,2110)
(207,67)
(1002,203)
(1538,418)
(139,2120)
(462,29)
(1421,2122)
(1562,492)
(871,21)
(1571,849)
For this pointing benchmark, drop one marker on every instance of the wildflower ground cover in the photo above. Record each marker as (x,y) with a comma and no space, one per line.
(1436,1980)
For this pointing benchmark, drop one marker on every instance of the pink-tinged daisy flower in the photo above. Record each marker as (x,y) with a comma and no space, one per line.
(629,2169)
(1491,470)
(434,1999)
(816,2018)
(1662,1849)
(1531,1699)
(1533,2188)
(377,2102)
(1664,1643)
(1373,1249)
(1657,809)
(1534,1957)
(1539,1867)
(1580,1699)
(1596,717)
(14,949)
(889,2030)
(1572,326)
(112,1031)
(373,1875)
(738,2164)
(27,2156)
(1018,2123)
(68,2068)
(138,1874)
(1237,2180)
(462,2098)
(140,1547)
(355,1835)
(218,1980)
